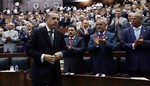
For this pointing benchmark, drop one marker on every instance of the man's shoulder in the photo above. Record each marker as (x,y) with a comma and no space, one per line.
(41,29)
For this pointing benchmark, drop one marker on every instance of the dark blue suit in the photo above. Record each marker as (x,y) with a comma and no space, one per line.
(73,61)
(38,44)
(24,39)
(138,58)
(103,61)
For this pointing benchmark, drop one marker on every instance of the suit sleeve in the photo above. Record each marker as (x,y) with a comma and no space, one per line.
(80,49)
(125,45)
(92,45)
(31,48)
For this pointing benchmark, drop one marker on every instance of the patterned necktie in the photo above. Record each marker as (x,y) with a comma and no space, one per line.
(70,41)
(51,36)
(101,35)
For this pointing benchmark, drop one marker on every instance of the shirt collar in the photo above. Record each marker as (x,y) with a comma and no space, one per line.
(72,37)
(102,32)
(135,28)
(48,29)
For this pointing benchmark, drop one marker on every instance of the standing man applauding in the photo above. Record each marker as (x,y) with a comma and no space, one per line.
(136,41)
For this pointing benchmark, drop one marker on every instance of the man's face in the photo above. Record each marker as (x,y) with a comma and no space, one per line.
(135,21)
(100,26)
(52,21)
(10,26)
(29,27)
(85,24)
(71,31)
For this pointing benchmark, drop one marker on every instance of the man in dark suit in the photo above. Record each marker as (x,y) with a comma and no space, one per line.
(86,31)
(46,49)
(25,35)
(136,41)
(101,44)
(73,62)
(66,20)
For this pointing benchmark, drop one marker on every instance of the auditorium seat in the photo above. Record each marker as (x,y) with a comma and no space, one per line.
(4,63)
(22,62)
(116,64)
(122,65)
(87,64)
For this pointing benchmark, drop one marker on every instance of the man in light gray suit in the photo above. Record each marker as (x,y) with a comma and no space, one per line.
(118,23)
(9,39)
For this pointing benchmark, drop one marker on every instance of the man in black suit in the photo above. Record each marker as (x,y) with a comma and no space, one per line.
(73,61)
(46,49)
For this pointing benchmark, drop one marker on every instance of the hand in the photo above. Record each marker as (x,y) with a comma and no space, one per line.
(49,58)
(96,40)
(116,20)
(57,55)
(27,33)
(139,41)
(69,46)
(101,41)
(82,25)
(8,38)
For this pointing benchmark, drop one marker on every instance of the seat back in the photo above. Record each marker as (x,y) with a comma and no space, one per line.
(87,64)
(4,63)
(22,62)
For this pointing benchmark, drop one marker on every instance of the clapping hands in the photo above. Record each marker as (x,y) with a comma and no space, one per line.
(99,41)
(139,41)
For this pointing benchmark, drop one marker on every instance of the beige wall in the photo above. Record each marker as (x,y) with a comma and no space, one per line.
(27,4)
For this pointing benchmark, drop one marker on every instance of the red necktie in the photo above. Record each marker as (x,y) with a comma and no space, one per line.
(70,41)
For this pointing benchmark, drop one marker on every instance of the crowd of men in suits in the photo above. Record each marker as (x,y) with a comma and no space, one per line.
(100,31)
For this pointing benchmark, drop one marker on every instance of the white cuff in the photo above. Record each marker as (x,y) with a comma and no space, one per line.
(61,55)
(133,46)
(42,58)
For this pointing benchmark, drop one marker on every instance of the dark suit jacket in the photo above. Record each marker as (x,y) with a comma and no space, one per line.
(38,44)
(24,39)
(103,61)
(73,62)
(65,23)
(140,56)
(86,37)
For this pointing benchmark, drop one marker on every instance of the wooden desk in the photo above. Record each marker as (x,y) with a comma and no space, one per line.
(12,78)
(91,80)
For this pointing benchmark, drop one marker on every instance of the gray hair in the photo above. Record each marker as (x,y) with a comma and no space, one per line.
(137,15)
(103,20)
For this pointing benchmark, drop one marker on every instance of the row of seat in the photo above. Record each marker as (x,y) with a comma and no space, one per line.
(22,62)
(120,66)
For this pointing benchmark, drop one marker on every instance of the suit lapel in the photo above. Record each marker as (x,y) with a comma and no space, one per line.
(143,30)
(67,41)
(74,40)
(132,34)
(55,38)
